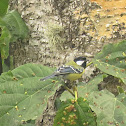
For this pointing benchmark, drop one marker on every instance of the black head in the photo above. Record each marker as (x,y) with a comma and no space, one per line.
(81,61)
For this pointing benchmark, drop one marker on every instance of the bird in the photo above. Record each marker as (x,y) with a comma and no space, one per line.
(73,70)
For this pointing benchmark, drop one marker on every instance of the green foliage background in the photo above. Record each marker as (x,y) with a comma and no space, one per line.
(12,28)
(23,96)
(3,7)
(112,60)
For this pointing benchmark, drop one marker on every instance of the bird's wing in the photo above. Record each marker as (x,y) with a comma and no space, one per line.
(63,70)
(67,70)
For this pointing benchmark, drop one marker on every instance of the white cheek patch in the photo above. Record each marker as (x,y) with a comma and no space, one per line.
(79,63)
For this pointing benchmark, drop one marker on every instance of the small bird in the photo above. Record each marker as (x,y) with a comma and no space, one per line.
(71,71)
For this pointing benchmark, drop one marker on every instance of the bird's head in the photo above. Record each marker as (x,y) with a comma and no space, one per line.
(81,61)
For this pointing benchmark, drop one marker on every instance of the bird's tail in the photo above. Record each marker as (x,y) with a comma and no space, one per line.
(47,77)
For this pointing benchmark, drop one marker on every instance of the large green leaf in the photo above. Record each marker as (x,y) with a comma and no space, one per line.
(110,110)
(4,40)
(73,113)
(91,86)
(112,60)
(12,27)
(5,37)
(15,25)
(3,7)
(22,95)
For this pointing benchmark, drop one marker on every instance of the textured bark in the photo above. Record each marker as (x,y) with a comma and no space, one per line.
(47,117)
(82,22)
(37,15)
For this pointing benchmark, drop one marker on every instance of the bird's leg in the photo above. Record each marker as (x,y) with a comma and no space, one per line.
(75,91)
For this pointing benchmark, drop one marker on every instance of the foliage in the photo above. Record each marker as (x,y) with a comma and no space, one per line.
(112,60)
(75,113)
(55,35)
(4,40)
(15,25)
(120,90)
(110,110)
(22,95)
(3,7)
(12,28)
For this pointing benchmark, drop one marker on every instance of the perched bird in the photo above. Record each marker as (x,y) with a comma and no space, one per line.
(71,71)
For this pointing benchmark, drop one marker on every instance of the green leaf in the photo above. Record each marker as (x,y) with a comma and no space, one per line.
(75,114)
(12,28)
(32,70)
(4,41)
(120,89)
(112,60)
(28,124)
(91,86)
(22,95)
(3,7)
(15,25)
(110,110)
(6,76)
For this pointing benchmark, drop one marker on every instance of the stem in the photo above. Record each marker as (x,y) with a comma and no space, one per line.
(75,92)
(76,95)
